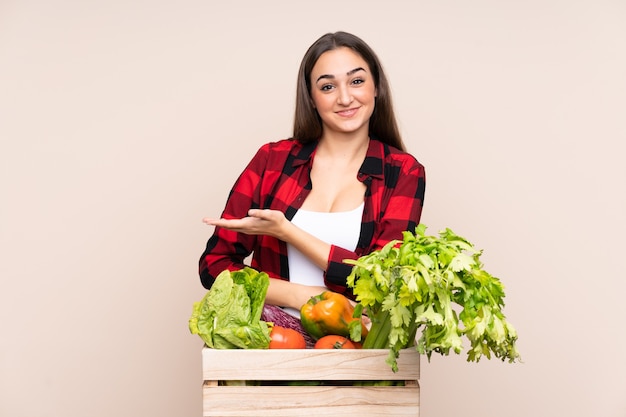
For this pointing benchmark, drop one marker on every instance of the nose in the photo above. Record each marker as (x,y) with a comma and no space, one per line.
(344,97)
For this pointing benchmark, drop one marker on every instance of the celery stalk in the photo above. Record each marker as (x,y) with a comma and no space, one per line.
(378,335)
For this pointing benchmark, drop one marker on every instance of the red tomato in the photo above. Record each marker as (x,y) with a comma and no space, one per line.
(332,341)
(284,338)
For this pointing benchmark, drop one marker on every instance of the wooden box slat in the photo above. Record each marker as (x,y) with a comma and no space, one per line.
(307,364)
(309,401)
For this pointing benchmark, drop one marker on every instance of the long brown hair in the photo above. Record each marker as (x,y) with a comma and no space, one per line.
(307,125)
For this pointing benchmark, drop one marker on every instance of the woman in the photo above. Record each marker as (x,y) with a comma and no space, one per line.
(342,187)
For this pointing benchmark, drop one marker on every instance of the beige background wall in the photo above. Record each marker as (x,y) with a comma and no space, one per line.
(123,123)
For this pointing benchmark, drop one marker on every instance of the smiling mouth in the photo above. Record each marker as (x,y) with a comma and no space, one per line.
(348,112)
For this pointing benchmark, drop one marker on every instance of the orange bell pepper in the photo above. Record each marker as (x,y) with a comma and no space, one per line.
(329,313)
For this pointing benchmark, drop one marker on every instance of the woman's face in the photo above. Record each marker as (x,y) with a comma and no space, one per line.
(343,91)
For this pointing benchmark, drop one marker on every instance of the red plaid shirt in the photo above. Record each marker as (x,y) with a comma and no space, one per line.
(278,178)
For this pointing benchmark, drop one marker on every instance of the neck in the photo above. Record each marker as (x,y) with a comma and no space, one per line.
(345,147)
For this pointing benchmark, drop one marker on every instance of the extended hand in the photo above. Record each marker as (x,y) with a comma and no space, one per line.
(259,222)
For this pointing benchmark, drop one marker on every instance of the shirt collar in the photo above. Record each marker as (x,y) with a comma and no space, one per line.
(374,159)
(304,152)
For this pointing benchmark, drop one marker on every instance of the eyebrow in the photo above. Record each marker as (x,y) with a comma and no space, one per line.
(347,73)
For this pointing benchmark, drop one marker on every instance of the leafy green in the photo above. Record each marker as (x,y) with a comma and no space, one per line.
(419,283)
(229,315)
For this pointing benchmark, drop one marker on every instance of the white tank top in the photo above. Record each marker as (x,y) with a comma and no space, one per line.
(340,229)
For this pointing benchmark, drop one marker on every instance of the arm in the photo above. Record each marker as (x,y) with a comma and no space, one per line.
(402,197)
(273,223)
(227,249)
(288,294)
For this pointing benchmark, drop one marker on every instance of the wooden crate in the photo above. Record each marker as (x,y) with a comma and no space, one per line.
(333,397)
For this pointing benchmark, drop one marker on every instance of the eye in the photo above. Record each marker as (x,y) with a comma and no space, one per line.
(326,87)
(358,81)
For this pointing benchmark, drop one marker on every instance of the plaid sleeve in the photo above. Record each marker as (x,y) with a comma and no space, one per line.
(396,200)
(227,249)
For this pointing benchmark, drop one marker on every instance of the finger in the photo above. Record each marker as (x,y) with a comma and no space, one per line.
(214,222)
(257,212)
(226,223)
